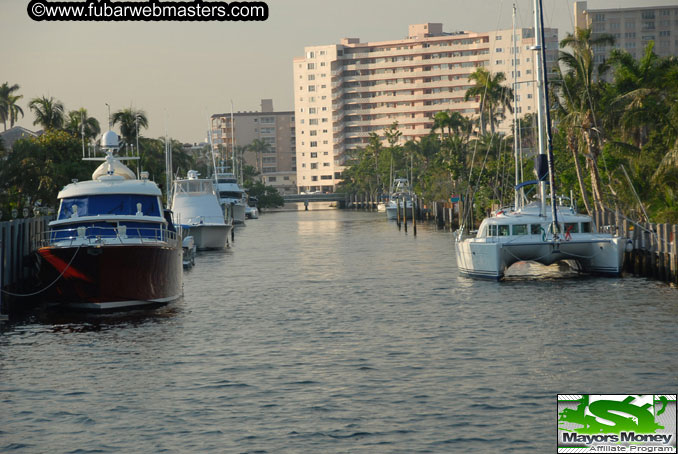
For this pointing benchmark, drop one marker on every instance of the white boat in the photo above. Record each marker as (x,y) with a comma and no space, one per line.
(511,236)
(196,207)
(232,197)
(251,210)
(112,246)
(400,198)
(541,232)
(188,246)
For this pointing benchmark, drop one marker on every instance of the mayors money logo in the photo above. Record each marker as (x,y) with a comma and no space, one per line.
(612,423)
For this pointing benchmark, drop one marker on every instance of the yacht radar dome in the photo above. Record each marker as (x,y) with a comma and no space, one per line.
(110,140)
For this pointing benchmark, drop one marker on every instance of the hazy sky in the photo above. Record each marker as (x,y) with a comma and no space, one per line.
(182,72)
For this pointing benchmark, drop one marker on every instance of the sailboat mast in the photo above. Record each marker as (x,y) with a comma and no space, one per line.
(516,195)
(214,163)
(540,100)
(547,111)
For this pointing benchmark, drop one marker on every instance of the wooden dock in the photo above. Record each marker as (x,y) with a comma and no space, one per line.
(18,242)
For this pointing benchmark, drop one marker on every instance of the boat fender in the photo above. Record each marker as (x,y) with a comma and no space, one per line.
(629,246)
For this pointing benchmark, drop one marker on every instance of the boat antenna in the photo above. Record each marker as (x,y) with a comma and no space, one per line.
(549,135)
(110,125)
(515,113)
(214,162)
(136,123)
(82,131)
(232,141)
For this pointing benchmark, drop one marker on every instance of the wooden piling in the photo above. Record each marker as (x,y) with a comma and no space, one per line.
(414,216)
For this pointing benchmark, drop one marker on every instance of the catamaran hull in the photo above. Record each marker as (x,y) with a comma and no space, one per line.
(208,236)
(111,277)
(489,260)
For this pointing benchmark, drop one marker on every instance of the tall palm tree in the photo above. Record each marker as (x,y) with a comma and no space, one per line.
(259,147)
(493,96)
(129,119)
(640,103)
(78,122)
(9,109)
(49,112)
(584,93)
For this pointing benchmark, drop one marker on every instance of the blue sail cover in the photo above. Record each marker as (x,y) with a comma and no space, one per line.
(109,204)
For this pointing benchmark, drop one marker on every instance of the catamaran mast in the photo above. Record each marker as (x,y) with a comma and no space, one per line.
(516,194)
(540,102)
(547,113)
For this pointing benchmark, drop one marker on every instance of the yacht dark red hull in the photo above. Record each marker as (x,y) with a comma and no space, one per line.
(111,277)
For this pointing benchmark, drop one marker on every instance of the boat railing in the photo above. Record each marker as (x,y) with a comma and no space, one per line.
(99,235)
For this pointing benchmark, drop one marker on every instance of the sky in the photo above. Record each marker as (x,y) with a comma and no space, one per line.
(180,73)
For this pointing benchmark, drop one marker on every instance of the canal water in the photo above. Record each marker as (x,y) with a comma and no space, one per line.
(332,331)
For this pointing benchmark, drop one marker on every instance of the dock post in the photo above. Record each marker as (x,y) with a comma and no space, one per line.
(397,214)
(414,215)
(674,254)
(3,317)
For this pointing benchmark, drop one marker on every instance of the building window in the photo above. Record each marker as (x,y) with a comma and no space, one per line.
(311,88)
(314,178)
(314,154)
(326,164)
(326,177)
(314,165)
(311,66)
(311,110)
(314,144)
(313,121)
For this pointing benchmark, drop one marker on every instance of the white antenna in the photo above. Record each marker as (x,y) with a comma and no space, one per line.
(515,111)
(214,162)
(232,139)
(110,125)
(136,122)
(82,131)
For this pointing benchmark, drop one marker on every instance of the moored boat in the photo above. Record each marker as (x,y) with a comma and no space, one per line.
(112,246)
(231,195)
(196,207)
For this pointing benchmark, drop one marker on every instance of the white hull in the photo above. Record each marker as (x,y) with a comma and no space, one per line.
(210,236)
(597,254)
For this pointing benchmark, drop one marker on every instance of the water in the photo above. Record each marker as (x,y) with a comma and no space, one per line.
(330,331)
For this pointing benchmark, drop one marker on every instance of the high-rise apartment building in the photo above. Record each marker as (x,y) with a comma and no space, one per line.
(343,92)
(277,129)
(632,28)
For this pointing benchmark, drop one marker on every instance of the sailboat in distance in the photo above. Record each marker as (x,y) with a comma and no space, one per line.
(543,231)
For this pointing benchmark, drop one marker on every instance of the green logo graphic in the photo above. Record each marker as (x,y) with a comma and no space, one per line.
(625,416)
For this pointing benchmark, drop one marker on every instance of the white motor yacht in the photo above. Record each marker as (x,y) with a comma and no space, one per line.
(231,196)
(196,207)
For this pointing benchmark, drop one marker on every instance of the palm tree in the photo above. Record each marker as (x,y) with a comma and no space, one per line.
(641,100)
(583,95)
(129,120)
(9,109)
(494,97)
(49,113)
(78,122)
(259,147)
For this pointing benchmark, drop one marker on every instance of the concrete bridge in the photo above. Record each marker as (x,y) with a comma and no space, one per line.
(332,197)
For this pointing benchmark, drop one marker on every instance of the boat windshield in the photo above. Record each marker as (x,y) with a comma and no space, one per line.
(230,195)
(195,186)
(226,180)
(109,204)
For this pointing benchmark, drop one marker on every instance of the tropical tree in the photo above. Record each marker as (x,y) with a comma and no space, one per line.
(49,112)
(580,96)
(494,97)
(79,123)
(259,147)
(9,109)
(131,122)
